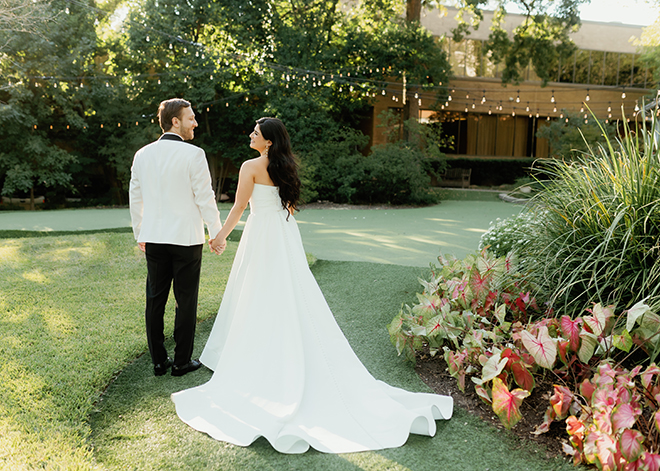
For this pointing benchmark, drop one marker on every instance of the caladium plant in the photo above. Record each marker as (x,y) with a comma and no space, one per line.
(476,312)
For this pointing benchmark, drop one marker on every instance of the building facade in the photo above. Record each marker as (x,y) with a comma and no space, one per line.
(492,120)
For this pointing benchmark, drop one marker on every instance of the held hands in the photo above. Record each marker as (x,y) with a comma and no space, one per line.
(218,245)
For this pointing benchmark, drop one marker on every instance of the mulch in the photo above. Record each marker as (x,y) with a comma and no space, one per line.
(434,373)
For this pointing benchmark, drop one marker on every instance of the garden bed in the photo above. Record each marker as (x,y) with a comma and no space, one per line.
(433,371)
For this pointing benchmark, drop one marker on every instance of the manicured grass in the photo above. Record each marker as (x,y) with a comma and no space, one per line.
(135,425)
(72,318)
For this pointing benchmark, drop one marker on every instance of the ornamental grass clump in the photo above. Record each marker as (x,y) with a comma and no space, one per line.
(593,232)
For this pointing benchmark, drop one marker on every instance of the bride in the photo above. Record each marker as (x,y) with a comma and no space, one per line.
(282,367)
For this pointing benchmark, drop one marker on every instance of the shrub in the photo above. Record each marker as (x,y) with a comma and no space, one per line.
(591,234)
(395,174)
(512,234)
(476,311)
(595,228)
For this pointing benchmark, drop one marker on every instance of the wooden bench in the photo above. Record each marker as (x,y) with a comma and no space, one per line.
(456,177)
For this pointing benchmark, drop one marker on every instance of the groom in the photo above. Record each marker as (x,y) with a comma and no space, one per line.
(170,199)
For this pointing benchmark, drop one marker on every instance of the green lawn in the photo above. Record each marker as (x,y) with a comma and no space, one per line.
(72,320)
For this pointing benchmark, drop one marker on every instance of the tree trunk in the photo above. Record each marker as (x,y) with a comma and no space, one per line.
(413,11)
(411,104)
(32,207)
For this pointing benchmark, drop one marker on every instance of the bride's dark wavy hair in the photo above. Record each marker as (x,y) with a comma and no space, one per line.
(282,165)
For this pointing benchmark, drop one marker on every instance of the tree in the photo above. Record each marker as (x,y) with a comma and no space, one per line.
(41,113)
(574,135)
(542,39)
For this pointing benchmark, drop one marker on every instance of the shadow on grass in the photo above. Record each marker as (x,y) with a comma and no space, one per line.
(135,425)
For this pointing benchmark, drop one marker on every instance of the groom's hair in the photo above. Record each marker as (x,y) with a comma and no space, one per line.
(169,109)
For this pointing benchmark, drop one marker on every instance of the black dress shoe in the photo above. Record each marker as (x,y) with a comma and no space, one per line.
(192,365)
(161,368)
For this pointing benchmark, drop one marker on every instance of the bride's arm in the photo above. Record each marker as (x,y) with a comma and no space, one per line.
(243,194)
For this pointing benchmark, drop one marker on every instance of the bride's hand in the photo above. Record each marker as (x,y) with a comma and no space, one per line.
(218,245)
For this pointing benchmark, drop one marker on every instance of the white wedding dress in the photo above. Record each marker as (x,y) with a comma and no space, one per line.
(283,368)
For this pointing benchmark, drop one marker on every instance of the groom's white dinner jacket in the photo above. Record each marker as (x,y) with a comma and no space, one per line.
(171,195)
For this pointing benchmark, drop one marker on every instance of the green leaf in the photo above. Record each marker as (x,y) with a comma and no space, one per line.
(587,346)
(623,342)
(635,312)
(500,313)
(493,367)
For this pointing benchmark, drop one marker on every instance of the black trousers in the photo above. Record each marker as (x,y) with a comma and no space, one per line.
(167,263)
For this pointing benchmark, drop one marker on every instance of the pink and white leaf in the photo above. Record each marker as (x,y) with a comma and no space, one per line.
(647,376)
(630,444)
(483,393)
(651,461)
(624,416)
(542,348)
(601,315)
(571,331)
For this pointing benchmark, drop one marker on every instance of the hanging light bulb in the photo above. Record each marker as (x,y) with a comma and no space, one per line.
(483,98)
(561,116)
(582,109)
(552,99)
(489,111)
(518,97)
(449,98)
(527,109)
(609,109)
(554,110)
(623,95)
(588,97)
(473,104)
(636,107)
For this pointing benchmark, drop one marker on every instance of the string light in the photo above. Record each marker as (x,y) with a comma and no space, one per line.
(552,99)
(518,97)
(623,95)
(483,97)
(587,98)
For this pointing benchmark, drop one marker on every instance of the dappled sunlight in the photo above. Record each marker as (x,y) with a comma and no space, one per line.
(453,234)
(35,276)
(423,240)
(311,223)
(10,251)
(474,229)
(69,253)
(442,220)
(372,461)
(405,249)
(58,322)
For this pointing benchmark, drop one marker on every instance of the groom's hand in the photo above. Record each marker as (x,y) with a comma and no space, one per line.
(218,245)
(142,246)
